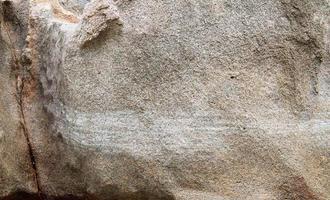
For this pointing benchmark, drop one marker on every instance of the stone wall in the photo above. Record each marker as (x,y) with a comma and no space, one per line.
(136,99)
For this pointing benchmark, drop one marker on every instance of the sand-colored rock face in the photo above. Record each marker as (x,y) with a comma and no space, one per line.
(16,171)
(173,100)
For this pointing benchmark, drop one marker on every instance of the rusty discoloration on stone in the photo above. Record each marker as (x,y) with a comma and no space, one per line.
(297,189)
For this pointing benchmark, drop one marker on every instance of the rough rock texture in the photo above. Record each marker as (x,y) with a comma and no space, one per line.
(136,99)
(97,16)
(16,169)
(75,6)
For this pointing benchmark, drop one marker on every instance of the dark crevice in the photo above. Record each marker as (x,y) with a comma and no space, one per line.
(110,195)
(28,141)
(21,195)
(21,76)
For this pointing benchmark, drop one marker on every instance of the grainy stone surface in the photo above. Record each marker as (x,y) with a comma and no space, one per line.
(16,172)
(221,99)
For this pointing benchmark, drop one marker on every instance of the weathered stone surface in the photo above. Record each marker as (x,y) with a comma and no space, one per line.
(177,99)
(16,170)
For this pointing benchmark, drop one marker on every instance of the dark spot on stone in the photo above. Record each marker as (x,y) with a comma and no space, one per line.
(21,196)
(9,14)
(60,136)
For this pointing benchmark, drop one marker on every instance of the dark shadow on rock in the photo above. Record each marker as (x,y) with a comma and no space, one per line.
(28,196)
(113,195)
(113,31)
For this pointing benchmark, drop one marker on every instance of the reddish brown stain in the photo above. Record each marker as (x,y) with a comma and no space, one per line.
(297,189)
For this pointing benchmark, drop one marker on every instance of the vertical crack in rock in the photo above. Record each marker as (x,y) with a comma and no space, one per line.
(22,75)
(159,112)
(20,82)
(20,89)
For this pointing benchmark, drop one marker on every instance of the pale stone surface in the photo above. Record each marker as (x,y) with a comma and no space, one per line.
(97,16)
(222,99)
